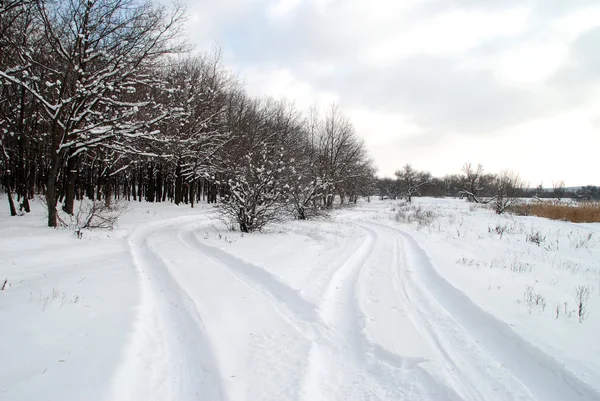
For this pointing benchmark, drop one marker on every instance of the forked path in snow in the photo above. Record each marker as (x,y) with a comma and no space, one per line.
(386,327)
(484,357)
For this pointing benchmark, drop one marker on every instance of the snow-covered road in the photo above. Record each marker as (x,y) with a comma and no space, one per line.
(375,322)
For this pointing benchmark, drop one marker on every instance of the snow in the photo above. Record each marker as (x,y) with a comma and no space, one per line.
(172,306)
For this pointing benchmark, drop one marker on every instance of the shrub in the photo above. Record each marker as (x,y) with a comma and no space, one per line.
(409,214)
(535,237)
(581,299)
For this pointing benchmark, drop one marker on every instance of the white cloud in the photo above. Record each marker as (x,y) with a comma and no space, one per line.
(281,83)
(446,34)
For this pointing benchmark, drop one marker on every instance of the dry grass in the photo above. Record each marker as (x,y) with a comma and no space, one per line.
(582,213)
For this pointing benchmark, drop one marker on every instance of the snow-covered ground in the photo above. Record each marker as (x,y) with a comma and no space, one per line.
(172,306)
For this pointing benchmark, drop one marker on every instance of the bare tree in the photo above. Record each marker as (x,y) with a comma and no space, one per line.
(388,188)
(472,182)
(559,189)
(507,186)
(342,154)
(411,181)
(197,88)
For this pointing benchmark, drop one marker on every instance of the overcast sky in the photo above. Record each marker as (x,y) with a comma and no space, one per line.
(512,84)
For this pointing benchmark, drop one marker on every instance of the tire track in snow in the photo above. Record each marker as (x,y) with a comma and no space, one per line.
(286,301)
(334,327)
(170,357)
(374,372)
(442,309)
(446,340)
(342,362)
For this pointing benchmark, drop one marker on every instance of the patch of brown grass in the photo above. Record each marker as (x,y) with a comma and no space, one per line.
(582,213)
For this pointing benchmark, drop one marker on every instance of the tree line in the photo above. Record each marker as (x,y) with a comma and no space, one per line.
(103,99)
(476,185)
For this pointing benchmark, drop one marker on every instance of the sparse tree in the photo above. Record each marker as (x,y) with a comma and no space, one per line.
(507,186)
(559,189)
(472,182)
(411,181)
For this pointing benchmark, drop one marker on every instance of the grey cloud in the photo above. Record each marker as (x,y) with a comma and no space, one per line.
(577,81)
(440,95)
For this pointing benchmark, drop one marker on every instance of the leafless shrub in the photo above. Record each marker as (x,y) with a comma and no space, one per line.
(581,299)
(581,240)
(528,296)
(507,185)
(535,237)
(533,299)
(96,215)
(540,301)
(415,214)
(498,229)
(569,266)
(468,262)
(518,265)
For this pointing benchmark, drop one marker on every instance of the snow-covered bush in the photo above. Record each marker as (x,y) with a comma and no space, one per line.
(305,194)
(257,192)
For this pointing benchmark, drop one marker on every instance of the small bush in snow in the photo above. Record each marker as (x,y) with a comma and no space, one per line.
(499,229)
(518,265)
(468,262)
(535,237)
(581,240)
(533,299)
(257,192)
(581,299)
(93,214)
(417,214)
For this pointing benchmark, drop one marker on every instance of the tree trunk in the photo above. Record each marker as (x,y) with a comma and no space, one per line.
(192,193)
(70,185)
(301,213)
(178,184)
(11,202)
(108,193)
(51,192)
(159,183)
(51,200)
(242,220)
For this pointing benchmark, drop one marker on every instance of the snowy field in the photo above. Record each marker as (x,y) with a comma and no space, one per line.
(441,300)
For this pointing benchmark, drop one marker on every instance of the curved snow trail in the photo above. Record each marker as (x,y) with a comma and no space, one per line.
(342,363)
(488,360)
(298,311)
(264,341)
(348,365)
(169,357)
